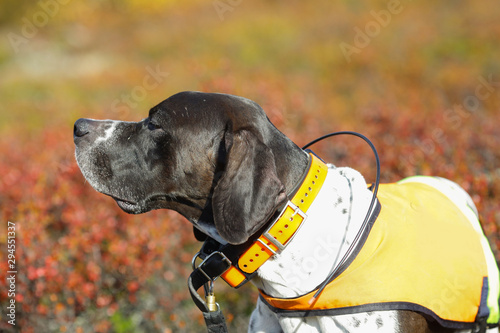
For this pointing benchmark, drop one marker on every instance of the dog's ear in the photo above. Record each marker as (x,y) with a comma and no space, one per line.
(249,191)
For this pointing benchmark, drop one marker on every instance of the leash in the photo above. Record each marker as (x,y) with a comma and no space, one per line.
(214,319)
(213,265)
(217,259)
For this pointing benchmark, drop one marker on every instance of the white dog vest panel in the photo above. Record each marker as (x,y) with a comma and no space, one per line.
(423,253)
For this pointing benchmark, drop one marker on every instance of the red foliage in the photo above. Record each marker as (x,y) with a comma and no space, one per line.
(75,250)
(80,257)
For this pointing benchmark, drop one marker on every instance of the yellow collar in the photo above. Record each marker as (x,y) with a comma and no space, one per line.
(278,235)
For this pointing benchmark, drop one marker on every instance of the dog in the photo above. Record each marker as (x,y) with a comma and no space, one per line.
(217,160)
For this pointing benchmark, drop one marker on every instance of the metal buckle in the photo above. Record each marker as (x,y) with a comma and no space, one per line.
(200,266)
(281,247)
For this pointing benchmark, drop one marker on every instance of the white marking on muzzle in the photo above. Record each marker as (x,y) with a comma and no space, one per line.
(108,133)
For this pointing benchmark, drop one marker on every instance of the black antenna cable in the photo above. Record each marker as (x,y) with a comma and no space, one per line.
(368,214)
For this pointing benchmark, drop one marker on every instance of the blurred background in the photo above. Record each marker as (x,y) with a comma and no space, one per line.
(420,78)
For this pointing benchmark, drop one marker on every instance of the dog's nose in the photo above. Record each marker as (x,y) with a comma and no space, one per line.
(81,128)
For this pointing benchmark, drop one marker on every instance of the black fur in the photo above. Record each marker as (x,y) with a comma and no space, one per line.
(214,158)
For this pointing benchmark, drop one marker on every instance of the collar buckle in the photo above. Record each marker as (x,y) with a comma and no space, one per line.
(280,247)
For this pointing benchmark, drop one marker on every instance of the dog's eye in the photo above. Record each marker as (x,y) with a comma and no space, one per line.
(152,126)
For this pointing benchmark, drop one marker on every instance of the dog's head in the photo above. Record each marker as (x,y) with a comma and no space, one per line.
(211,157)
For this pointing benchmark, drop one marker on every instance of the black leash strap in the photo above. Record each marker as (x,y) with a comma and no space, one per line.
(214,320)
(204,275)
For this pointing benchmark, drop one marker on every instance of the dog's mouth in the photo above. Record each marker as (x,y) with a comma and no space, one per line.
(132,207)
(126,205)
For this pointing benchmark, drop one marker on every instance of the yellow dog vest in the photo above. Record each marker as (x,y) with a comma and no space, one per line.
(422,254)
